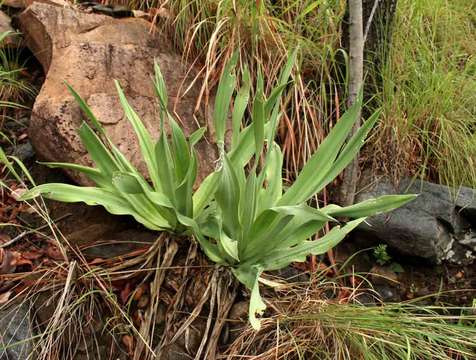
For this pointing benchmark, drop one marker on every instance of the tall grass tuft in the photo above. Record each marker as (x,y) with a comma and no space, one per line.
(325,320)
(206,32)
(428,94)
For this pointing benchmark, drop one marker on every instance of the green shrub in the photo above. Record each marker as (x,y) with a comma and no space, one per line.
(241,215)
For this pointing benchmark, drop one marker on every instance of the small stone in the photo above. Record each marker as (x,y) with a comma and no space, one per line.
(239,311)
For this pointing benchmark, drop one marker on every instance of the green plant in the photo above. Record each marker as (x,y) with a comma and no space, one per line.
(241,215)
(428,94)
(381,255)
(121,189)
(13,88)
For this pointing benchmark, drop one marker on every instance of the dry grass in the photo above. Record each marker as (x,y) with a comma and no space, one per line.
(325,320)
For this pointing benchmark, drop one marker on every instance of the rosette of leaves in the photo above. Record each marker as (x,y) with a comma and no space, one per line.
(242,214)
(254,223)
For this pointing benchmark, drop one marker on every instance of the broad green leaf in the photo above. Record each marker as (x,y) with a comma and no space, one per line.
(126,183)
(211,250)
(258,125)
(184,192)
(240,104)
(196,136)
(288,67)
(92,196)
(297,231)
(145,141)
(165,166)
(160,88)
(248,205)
(227,197)
(224,93)
(180,152)
(243,152)
(140,195)
(278,259)
(267,226)
(229,247)
(86,109)
(318,166)
(265,233)
(101,156)
(272,174)
(205,193)
(349,152)
(273,99)
(250,278)
(370,207)
(92,173)
(239,157)
(303,211)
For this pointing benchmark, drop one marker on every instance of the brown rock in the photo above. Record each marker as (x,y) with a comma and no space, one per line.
(89,51)
(21,4)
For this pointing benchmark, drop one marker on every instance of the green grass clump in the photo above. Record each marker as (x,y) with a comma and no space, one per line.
(325,319)
(346,331)
(14,88)
(428,95)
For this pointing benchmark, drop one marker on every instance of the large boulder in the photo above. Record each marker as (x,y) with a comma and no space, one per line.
(88,51)
(439,225)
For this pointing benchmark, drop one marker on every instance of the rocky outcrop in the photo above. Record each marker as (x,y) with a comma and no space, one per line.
(439,225)
(88,51)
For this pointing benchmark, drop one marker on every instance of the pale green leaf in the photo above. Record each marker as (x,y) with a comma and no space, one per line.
(196,136)
(250,278)
(239,107)
(280,258)
(315,170)
(370,207)
(223,96)
(145,141)
(98,152)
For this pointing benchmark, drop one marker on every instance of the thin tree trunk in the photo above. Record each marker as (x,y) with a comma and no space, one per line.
(356,72)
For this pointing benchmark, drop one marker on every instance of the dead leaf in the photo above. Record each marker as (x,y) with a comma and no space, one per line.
(96,261)
(17,193)
(5,297)
(143,302)
(128,342)
(18,259)
(32,254)
(54,253)
(4,238)
(6,259)
(139,292)
(125,292)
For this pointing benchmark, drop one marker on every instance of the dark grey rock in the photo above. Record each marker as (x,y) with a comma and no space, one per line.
(24,151)
(15,333)
(439,225)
